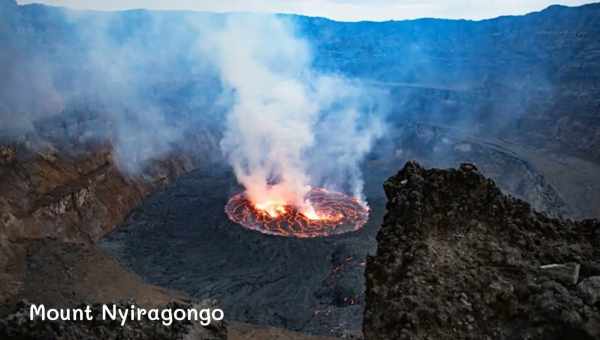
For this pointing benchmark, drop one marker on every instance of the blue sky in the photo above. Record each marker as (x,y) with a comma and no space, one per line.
(347,10)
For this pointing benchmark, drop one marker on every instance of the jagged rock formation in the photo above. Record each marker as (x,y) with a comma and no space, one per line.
(435,146)
(457,259)
(19,326)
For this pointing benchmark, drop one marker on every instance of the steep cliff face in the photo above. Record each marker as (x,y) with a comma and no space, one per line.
(533,78)
(457,259)
(48,192)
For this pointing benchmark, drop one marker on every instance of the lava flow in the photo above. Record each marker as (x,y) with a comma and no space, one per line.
(330,213)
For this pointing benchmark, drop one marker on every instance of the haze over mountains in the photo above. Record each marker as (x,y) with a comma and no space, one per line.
(536,75)
(98,110)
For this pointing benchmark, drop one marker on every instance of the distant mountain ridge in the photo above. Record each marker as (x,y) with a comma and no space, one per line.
(532,78)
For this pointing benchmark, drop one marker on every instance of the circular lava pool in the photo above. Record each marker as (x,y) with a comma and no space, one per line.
(334,213)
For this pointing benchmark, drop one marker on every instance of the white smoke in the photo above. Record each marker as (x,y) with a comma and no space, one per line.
(143,86)
(290,127)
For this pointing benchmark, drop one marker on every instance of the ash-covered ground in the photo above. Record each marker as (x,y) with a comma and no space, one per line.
(180,238)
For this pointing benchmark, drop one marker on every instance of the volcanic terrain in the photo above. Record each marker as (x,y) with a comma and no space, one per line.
(181,238)
(83,220)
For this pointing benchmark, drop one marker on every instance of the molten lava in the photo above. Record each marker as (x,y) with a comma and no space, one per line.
(328,213)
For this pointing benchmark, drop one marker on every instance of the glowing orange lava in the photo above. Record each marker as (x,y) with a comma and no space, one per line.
(329,213)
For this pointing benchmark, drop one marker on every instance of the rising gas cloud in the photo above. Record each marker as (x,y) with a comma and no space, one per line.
(290,127)
(145,81)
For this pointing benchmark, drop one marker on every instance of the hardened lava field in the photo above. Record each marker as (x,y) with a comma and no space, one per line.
(334,213)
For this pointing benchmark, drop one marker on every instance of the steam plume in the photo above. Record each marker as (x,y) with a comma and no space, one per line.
(290,127)
(145,86)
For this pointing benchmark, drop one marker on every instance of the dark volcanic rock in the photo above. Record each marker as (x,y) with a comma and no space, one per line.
(457,259)
(181,239)
(19,326)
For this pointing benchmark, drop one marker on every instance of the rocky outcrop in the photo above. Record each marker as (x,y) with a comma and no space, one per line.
(457,259)
(436,146)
